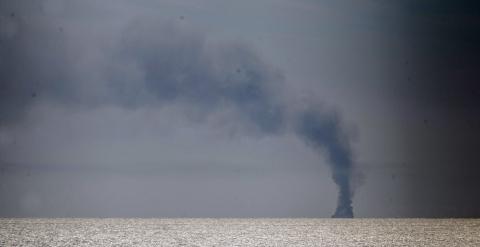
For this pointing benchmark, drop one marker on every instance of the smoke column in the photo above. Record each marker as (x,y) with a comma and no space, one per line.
(155,64)
(322,131)
(249,89)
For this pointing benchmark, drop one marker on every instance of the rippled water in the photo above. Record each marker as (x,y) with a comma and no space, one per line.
(239,232)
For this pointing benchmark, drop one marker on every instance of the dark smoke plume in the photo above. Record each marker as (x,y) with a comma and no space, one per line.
(233,73)
(157,64)
(323,131)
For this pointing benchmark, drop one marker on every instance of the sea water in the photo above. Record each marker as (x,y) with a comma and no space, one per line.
(239,232)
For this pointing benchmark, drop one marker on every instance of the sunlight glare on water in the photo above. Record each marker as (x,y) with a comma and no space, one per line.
(239,232)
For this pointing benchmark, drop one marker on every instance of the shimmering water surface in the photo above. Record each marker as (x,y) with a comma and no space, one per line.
(239,232)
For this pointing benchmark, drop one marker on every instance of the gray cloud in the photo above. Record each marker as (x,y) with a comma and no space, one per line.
(33,63)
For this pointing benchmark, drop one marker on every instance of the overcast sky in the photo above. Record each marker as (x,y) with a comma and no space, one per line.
(239,109)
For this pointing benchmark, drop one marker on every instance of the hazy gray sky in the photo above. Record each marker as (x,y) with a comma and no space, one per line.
(238,109)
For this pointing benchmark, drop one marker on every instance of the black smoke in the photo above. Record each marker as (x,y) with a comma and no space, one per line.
(179,65)
(154,64)
(323,131)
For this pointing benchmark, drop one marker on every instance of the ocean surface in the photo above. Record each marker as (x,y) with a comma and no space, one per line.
(239,232)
